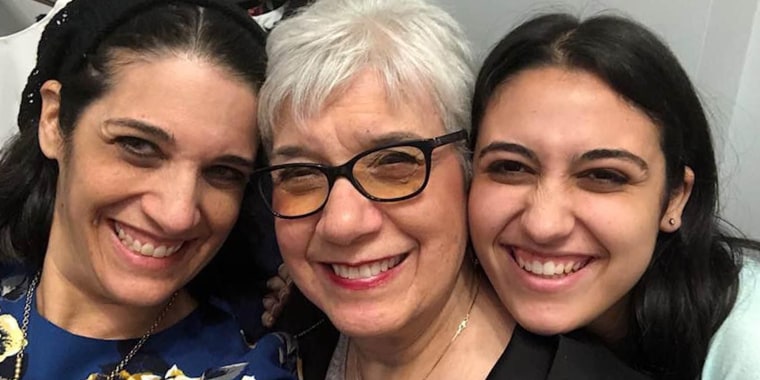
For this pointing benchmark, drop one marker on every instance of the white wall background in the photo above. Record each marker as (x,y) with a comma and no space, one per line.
(18,48)
(18,14)
(718,42)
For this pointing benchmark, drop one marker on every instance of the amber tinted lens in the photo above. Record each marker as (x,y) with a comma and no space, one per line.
(298,190)
(391,173)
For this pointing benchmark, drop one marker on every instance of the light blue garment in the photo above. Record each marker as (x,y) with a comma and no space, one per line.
(734,352)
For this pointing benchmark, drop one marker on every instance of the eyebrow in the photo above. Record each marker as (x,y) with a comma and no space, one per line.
(598,154)
(291,151)
(236,161)
(508,147)
(595,154)
(143,127)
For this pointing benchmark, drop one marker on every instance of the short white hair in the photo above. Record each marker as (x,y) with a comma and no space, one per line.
(410,44)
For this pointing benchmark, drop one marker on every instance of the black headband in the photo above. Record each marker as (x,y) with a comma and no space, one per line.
(77,29)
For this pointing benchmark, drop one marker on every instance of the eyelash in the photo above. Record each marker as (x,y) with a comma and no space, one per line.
(515,171)
(225,176)
(508,167)
(144,153)
(606,176)
(132,145)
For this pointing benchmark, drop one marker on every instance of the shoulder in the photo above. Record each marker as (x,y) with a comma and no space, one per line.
(14,282)
(531,356)
(274,353)
(734,352)
(211,338)
(577,357)
(316,336)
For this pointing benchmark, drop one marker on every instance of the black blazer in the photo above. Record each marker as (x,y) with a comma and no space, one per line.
(527,356)
(559,357)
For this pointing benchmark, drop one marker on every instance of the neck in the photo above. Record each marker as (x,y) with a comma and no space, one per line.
(80,312)
(425,347)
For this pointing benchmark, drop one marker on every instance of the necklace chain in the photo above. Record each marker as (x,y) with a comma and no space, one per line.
(119,367)
(460,327)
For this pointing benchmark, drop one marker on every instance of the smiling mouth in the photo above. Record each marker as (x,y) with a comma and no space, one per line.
(551,269)
(367,270)
(145,248)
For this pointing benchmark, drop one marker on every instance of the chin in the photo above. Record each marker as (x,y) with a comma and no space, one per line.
(546,328)
(546,323)
(143,296)
(363,325)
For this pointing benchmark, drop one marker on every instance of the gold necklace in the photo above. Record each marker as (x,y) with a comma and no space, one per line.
(460,327)
(119,367)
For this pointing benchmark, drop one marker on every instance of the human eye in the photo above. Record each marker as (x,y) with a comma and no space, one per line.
(509,171)
(395,157)
(398,163)
(225,176)
(138,147)
(298,179)
(603,179)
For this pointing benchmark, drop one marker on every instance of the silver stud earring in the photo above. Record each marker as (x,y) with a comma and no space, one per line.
(672,221)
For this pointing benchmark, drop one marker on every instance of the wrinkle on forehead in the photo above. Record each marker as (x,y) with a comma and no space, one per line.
(396,94)
(362,115)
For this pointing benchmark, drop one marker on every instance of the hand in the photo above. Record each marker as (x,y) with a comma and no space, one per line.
(279,291)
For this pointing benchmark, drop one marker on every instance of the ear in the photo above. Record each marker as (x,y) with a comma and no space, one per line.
(49,131)
(672,218)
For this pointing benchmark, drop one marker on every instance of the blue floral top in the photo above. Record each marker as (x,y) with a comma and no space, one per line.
(207,344)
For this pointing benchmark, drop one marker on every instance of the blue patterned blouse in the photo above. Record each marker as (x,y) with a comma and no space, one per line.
(207,344)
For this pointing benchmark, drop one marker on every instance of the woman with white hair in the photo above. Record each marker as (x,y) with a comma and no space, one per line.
(364,116)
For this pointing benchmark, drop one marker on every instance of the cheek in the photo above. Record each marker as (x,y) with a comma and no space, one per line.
(92,192)
(292,238)
(222,210)
(441,228)
(628,236)
(490,207)
(622,222)
(437,218)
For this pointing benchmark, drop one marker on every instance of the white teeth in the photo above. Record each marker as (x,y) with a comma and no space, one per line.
(146,249)
(366,270)
(537,267)
(549,268)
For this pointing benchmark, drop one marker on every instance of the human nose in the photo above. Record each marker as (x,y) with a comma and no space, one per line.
(174,202)
(548,217)
(347,216)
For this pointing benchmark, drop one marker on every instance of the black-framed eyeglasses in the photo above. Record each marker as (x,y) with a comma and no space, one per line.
(387,173)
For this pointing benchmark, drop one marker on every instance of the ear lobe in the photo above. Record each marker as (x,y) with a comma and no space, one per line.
(49,132)
(671,219)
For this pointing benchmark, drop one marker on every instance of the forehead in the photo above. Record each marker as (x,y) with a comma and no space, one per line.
(569,108)
(357,117)
(186,97)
